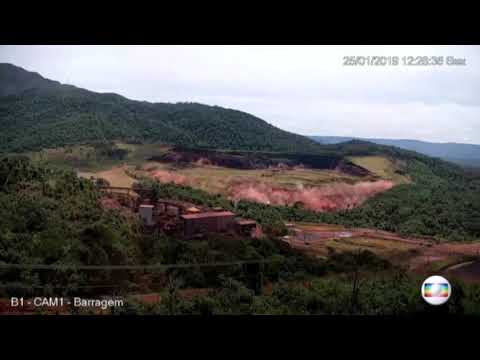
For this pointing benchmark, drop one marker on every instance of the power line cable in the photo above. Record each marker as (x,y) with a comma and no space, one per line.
(128,267)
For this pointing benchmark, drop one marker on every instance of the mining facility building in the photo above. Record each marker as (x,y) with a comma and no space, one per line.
(193,220)
(207,222)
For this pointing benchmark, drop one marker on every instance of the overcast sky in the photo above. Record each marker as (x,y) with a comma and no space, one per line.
(303,89)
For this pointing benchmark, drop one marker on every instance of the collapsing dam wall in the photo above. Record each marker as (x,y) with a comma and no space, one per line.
(258,160)
(331,197)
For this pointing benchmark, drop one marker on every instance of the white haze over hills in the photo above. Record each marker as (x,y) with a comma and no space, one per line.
(302,89)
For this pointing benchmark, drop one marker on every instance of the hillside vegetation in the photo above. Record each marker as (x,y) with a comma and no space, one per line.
(49,216)
(434,198)
(442,200)
(37,113)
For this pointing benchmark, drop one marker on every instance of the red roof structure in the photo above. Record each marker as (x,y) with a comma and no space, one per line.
(245,222)
(207,222)
(210,214)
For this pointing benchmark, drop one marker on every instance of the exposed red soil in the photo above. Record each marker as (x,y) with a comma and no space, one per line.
(311,239)
(148,298)
(329,197)
(110,203)
(442,252)
(464,249)
(189,294)
(468,273)
(167,176)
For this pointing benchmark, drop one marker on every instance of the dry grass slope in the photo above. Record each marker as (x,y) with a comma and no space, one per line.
(382,167)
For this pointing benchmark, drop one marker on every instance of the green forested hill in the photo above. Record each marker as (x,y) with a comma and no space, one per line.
(443,199)
(36,113)
(14,80)
(51,214)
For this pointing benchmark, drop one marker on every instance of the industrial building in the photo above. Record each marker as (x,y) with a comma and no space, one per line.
(174,216)
(245,227)
(146,213)
(192,220)
(207,222)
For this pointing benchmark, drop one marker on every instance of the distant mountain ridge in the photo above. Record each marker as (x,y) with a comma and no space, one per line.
(38,113)
(463,154)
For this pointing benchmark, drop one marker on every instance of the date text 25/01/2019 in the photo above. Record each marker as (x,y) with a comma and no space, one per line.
(403,61)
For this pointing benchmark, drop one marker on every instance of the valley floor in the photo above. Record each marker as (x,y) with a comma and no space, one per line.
(420,255)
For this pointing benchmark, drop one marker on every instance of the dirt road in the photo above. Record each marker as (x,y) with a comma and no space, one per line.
(415,253)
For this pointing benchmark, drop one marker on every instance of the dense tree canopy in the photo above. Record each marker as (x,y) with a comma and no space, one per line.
(38,113)
(50,216)
(442,201)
